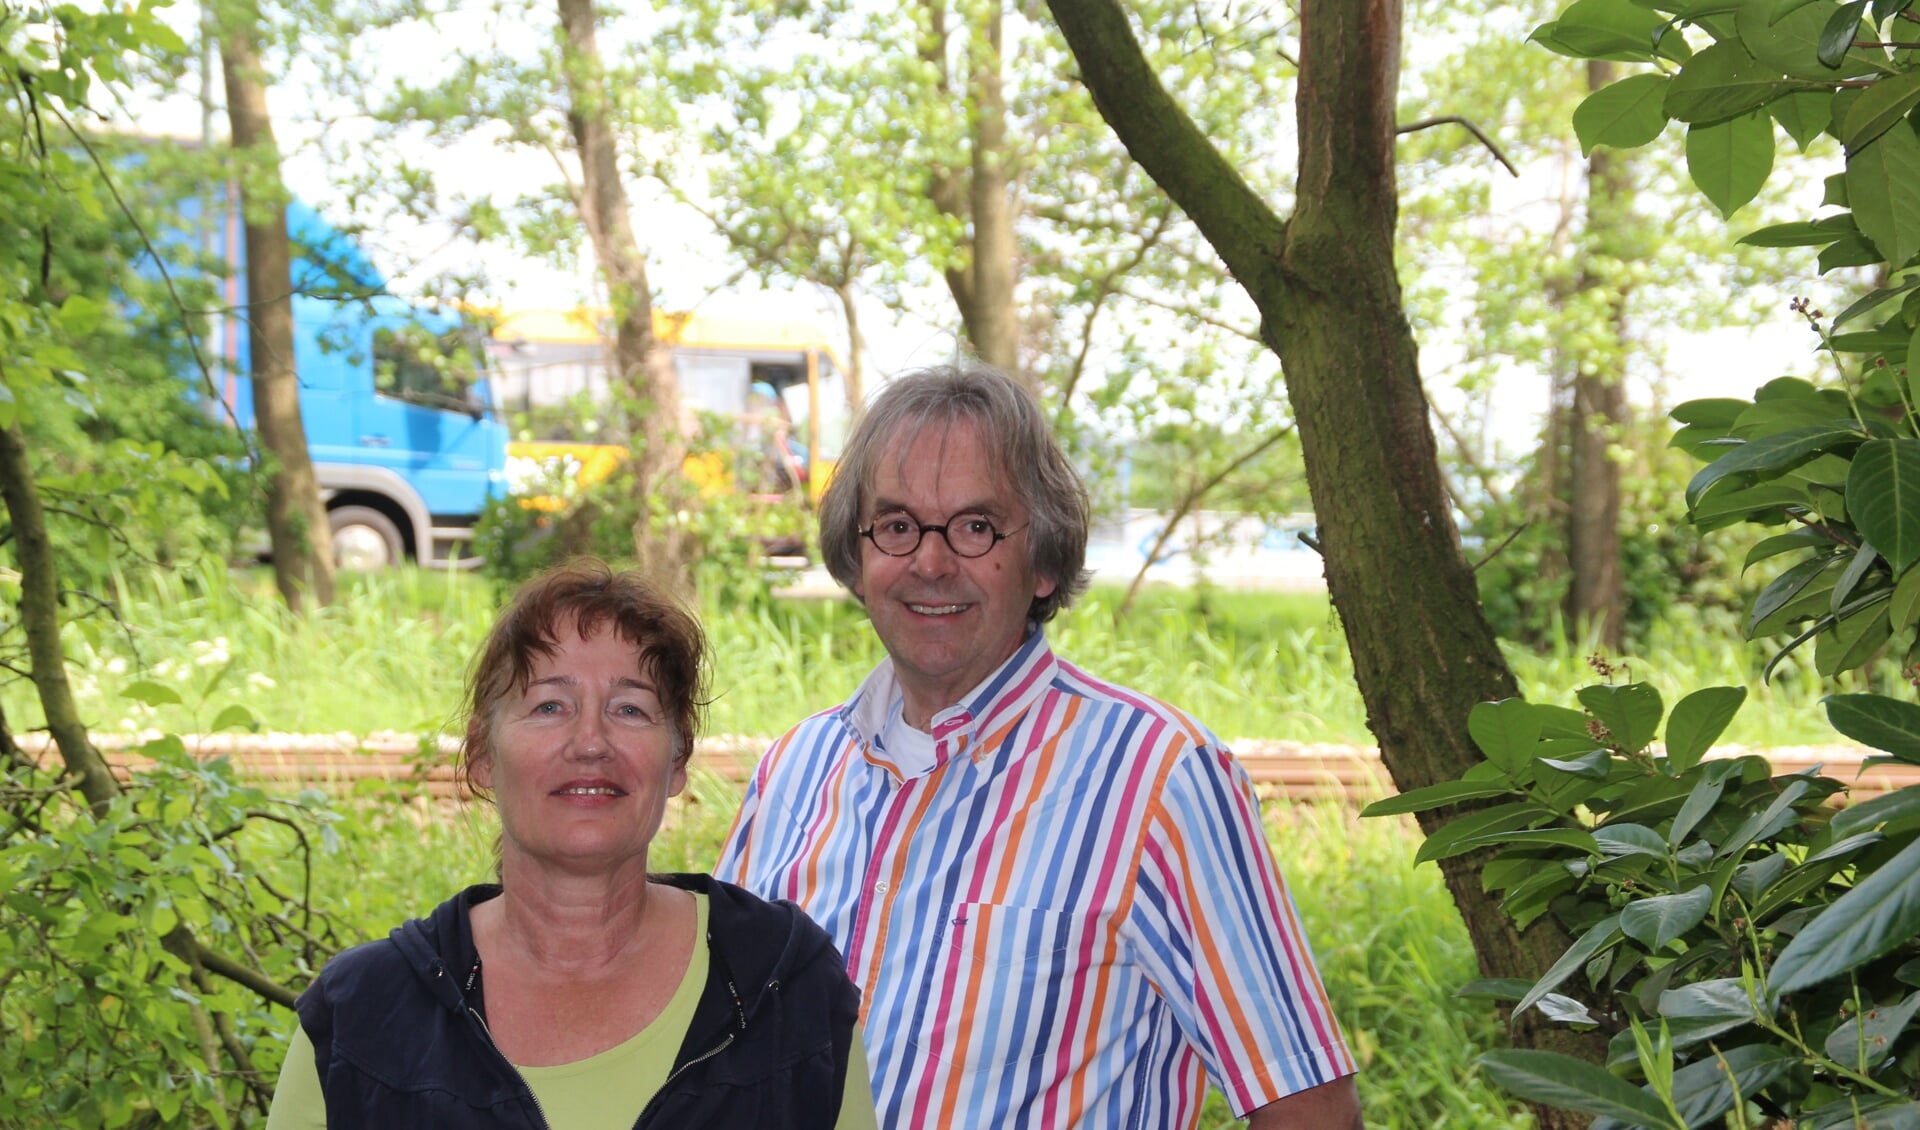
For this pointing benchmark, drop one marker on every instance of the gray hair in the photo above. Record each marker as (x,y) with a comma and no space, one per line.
(1004,416)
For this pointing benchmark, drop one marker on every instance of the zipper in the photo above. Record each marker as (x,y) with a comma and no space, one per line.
(740,1012)
(538,1110)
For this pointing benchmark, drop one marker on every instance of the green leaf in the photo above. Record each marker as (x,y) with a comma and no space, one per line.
(1446,840)
(1625,114)
(1617,841)
(1699,802)
(1722,82)
(1886,724)
(1878,108)
(1903,609)
(1608,29)
(1497,988)
(1764,823)
(1716,412)
(1858,565)
(1879,914)
(1891,808)
(1790,40)
(1853,251)
(1573,1084)
(1749,504)
(1706,1089)
(1883,182)
(1837,37)
(1802,538)
(1800,233)
(1859,630)
(1697,722)
(1631,713)
(1709,1007)
(1654,922)
(1883,496)
(1539,837)
(1599,937)
(236,717)
(1772,453)
(1863,1042)
(1841,848)
(152,694)
(1874,299)
(1436,796)
(1730,160)
(1784,588)
(1804,114)
(1506,731)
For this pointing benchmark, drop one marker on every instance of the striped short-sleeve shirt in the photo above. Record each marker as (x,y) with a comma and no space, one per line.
(1072,918)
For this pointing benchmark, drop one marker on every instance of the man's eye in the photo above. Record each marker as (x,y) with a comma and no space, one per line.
(976,525)
(895,526)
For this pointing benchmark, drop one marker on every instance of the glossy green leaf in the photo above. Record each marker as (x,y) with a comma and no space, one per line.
(1842,848)
(1874,299)
(1853,251)
(1445,841)
(1880,913)
(1886,724)
(1539,837)
(1697,722)
(1857,633)
(1790,39)
(1804,114)
(1883,496)
(1730,160)
(1879,107)
(1753,878)
(1803,538)
(1836,39)
(1598,938)
(1866,1040)
(1772,453)
(1625,114)
(1654,922)
(1593,766)
(1706,793)
(1858,565)
(1708,1008)
(1799,233)
(1765,822)
(1889,808)
(1505,731)
(1616,841)
(1573,1084)
(151,694)
(1751,503)
(1496,988)
(1630,712)
(1883,182)
(236,717)
(1436,796)
(1609,29)
(1721,82)
(1707,1088)
(1784,588)
(1903,608)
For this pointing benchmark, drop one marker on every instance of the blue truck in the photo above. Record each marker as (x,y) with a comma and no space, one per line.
(394,398)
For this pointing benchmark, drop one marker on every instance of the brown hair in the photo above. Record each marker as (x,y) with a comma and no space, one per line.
(586,595)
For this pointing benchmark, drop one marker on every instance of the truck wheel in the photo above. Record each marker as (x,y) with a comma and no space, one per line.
(365,540)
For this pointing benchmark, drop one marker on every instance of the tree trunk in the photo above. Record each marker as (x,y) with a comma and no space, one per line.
(296,518)
(1596,594)
(644,371)
(856,348)
(991,323)
(40,617)
(1330,304)
(983,285)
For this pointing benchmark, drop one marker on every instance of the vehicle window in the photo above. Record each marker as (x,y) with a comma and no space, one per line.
(417,365)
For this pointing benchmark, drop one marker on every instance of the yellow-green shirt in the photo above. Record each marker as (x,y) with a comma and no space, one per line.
(602,1092)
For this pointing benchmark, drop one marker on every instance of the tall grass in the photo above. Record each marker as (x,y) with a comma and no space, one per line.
(390,655)
(1391,947)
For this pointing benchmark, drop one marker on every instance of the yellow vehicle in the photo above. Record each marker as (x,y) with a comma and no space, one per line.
(777,381)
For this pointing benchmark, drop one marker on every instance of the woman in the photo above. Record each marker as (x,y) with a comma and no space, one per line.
(581,991)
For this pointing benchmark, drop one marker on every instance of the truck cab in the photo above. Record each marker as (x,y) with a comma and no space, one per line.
(394,399)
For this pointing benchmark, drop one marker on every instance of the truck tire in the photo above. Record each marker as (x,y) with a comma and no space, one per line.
(365,540)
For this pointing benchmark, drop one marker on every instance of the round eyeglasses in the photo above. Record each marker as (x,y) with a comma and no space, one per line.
(969,535)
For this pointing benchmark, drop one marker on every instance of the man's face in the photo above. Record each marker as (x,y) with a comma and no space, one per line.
(946,620)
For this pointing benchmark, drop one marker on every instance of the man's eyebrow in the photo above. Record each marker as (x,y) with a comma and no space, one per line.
(889,506)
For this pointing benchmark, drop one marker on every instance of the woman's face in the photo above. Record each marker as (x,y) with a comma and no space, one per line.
(582,759)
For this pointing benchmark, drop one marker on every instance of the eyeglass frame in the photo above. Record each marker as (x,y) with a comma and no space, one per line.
(941,529)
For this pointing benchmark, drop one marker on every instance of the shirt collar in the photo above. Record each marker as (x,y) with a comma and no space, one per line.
(998,699)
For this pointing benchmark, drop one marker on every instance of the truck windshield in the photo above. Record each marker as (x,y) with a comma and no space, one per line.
(434,370)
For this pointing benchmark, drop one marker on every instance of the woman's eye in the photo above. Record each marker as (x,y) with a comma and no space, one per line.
(548,707)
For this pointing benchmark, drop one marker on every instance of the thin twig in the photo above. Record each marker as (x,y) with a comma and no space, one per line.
(1455,119)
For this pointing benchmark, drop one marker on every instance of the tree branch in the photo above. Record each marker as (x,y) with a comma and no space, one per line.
(1455,119)
(1166,143)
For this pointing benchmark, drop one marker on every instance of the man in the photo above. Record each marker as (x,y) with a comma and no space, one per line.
(1055,893)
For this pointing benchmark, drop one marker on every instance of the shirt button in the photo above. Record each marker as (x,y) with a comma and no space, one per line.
(880,888)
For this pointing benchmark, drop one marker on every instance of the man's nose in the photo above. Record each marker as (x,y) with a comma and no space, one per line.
(933,557)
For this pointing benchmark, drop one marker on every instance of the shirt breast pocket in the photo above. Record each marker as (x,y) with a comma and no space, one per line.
(1010,981)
